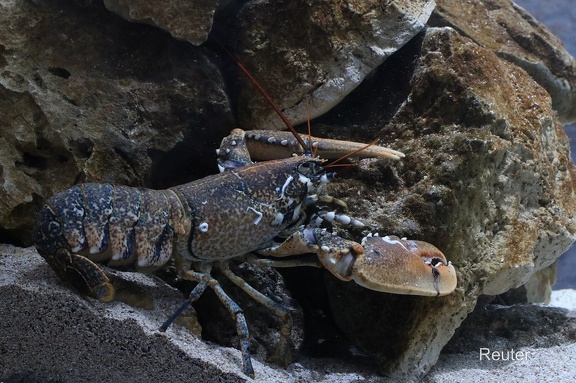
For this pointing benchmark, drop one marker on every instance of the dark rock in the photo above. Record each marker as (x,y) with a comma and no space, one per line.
(513,327)
(101,100)
(185,20)
(310,56)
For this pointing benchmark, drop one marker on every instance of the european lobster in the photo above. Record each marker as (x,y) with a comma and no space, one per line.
(237,214)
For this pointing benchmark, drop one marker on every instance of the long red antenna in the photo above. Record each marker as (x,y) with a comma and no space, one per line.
(265,95)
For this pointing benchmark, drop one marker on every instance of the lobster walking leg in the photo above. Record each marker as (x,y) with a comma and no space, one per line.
(193,297)
(206,280)
(283,353)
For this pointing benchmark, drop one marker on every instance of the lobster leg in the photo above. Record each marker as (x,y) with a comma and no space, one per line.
(193,297)
(206,280)
(283,353)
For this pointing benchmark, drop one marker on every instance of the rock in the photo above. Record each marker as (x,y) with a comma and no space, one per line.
(487,179)
(184,20)
(514,35)
(101,100)
(537,289)
(513,327)
(310,56)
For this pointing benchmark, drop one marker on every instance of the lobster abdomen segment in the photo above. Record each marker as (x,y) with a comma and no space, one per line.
(119,223)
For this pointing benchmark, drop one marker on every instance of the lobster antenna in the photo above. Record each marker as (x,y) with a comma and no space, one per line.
(265,95)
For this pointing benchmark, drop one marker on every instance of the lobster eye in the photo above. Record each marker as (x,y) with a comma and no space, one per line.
(308,168)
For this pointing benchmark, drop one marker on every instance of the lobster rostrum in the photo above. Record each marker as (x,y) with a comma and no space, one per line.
(237,214)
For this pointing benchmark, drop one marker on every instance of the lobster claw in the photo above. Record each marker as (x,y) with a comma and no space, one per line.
(390,264)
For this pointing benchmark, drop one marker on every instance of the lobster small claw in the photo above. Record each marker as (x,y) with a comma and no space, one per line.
(389,264)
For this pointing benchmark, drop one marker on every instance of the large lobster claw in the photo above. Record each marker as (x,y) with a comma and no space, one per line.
(389,264)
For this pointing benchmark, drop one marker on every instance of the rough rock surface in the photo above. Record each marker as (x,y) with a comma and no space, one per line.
(559,16)
(183,19)
(516,36)
(513,327)
(317,52)
(101,100)
(487,177)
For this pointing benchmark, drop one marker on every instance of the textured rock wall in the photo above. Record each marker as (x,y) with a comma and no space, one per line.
(487,177)
(482,138)
(514,35)
(87,96)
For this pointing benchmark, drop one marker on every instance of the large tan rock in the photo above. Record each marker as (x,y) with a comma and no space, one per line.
(310,55)
(487,178)
(516,36)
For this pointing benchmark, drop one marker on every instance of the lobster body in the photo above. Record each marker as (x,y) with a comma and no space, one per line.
(218,217)
(237,214)
(242,210)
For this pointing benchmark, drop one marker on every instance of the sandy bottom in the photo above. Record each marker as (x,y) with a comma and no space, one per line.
(41,317)
(554,364)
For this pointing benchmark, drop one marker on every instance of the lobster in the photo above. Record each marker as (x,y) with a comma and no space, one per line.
(252,212)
